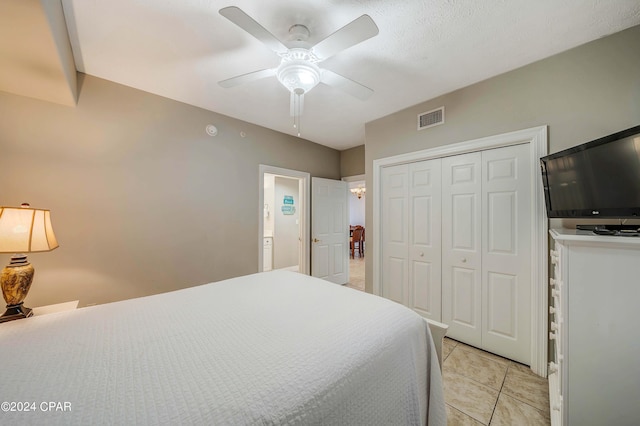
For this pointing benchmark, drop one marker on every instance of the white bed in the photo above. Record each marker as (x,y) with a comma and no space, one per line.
(270,348)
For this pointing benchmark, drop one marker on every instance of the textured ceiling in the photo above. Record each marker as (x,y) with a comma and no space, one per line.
(180,49)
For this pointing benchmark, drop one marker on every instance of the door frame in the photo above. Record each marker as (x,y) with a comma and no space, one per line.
(349,180)
(536,138)
(355,178)
(304,182)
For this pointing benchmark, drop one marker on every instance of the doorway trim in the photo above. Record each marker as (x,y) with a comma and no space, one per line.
(536,138)
(304,180)
(355,178)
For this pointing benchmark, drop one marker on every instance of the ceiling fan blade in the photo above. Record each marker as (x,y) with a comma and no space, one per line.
(247,78)
(345,84)
(351,34)
(247,23)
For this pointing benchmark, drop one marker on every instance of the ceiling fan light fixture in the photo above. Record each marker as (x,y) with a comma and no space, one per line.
(297,70)
(298,73)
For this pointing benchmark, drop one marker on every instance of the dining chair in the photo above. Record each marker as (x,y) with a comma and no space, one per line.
(356,240)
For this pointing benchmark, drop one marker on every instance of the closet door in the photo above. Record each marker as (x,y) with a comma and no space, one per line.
(425,238)
(395,233)
(506,253)
(461,247)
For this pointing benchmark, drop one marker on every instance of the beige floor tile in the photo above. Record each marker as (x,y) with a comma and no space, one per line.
(480,352)
(527,387)
(477,367)
(469,396)
(458,418)
(356,273)
(447,347)
(522,368)
(509,411)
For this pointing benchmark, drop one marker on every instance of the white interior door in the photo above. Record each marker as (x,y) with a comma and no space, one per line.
(395,233)
(329,230)
(506,252)
(461,247)
(425,252)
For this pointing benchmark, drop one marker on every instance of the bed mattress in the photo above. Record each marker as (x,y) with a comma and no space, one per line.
(265,349)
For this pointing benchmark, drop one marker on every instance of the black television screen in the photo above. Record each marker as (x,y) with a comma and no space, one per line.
(598,179)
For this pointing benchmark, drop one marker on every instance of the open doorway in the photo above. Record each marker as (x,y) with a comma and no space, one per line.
(283,220)
(357,202)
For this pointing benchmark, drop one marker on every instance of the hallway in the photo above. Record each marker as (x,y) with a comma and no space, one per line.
(356,273)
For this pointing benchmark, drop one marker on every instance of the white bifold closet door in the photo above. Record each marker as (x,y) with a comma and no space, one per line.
(462,247)
(456,245)
(506,252)
(486,242)
(411,236)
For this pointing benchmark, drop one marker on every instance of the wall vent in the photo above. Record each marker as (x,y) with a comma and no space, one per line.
(431,118)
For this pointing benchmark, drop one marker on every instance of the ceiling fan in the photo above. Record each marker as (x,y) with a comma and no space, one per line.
(298,70)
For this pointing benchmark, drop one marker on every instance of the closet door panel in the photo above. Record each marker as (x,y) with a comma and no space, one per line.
(395,279)
(425,238)
(502,296)
(506,254)
(395,233)
(463,212)
(461,247)
(464,295)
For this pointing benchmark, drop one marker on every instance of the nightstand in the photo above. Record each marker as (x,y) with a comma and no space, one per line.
(58,307)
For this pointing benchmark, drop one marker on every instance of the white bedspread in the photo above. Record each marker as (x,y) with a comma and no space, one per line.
(268,349)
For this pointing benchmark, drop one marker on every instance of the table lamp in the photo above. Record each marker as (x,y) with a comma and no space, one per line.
(22,230)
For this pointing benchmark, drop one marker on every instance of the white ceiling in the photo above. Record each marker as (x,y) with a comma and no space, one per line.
(180,49)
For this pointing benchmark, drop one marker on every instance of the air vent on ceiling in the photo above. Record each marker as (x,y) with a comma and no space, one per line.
(431,118)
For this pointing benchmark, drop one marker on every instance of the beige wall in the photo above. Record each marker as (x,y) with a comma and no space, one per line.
(582,94)
(352,161)
(142,199)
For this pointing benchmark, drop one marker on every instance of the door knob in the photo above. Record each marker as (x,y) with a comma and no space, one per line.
(315,240)
(421,254)
(464,260)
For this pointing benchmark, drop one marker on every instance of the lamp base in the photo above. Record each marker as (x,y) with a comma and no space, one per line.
(15,312)
(15,281)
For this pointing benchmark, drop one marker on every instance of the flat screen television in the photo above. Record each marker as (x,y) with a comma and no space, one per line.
(598,179)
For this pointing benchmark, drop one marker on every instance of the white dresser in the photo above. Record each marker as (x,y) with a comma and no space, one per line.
(595,329)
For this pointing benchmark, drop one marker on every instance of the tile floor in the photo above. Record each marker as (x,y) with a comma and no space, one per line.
(356,273)
(482,388)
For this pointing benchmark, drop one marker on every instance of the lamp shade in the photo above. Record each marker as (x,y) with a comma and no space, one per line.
(26,230)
